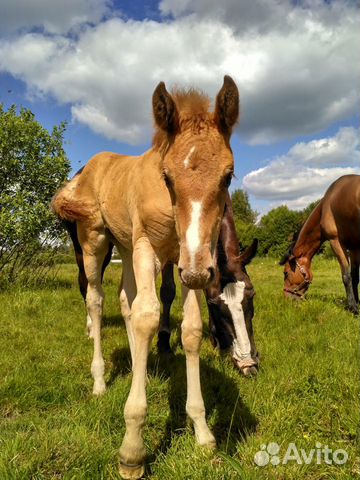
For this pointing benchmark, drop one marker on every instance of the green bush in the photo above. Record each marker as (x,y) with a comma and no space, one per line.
(33,166)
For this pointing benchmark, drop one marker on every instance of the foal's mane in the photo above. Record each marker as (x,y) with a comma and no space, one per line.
(193,114)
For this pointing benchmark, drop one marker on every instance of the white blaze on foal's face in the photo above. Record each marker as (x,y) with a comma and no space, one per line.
(188,157)
(233,295)
(193,232)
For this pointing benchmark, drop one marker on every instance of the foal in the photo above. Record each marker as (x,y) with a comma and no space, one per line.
(230,323)
(229,299)
(164,206)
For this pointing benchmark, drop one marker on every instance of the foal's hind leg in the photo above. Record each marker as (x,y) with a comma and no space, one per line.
(95,247)
(346,273)
(127,293)
(145,314)
(167,296)
(191,340)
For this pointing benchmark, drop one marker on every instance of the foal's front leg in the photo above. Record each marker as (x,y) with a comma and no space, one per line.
(145,314)
(191,339)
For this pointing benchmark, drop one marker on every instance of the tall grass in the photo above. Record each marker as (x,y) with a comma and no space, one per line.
(306,391)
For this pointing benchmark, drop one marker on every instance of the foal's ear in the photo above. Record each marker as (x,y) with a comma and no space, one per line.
(249,253)
(164,109)
(227,105)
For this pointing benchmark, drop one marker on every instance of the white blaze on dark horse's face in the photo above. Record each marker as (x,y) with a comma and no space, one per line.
(197,166)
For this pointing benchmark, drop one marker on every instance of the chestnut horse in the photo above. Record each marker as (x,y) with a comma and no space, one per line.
(164,206)
(229,299)
(337,219)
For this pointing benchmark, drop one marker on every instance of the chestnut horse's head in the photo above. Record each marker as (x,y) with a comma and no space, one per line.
(297,275)
(197,166)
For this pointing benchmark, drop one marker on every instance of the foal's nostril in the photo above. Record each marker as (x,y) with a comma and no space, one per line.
(180,270)
(211,271)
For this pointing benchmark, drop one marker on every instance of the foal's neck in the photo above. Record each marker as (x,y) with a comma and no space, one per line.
(310,238)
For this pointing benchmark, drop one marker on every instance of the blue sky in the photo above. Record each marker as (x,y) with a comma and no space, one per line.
(95,63)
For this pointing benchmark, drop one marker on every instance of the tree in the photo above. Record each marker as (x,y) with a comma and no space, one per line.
(276,228)
(241,207)
(33,165)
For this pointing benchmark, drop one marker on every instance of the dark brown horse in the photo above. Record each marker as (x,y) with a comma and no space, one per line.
(337,219)
(229,299)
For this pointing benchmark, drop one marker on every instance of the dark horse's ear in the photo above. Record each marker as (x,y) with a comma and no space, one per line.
(249,253)
(164,109)
(227,106)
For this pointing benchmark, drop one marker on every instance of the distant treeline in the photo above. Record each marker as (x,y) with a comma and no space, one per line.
(275,230)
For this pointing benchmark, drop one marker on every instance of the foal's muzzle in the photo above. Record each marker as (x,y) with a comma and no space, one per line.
(197,280)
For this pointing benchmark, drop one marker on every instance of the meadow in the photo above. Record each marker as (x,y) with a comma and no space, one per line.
(306,392)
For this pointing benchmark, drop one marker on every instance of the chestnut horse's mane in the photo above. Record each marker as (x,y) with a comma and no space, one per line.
(193,114)
(290,250)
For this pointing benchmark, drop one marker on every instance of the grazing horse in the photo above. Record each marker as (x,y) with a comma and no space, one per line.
(163,206)
(337,219)
(229,299)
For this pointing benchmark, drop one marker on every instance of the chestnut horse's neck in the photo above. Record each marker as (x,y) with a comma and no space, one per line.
(310,239)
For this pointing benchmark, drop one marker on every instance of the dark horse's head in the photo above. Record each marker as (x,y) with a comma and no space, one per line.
(297,273)
(231,307)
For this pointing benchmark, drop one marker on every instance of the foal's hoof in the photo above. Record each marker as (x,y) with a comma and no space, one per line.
(99,388)
(131,472)
(163,343)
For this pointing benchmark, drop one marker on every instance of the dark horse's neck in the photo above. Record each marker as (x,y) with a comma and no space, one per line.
(228,251)
(310,239)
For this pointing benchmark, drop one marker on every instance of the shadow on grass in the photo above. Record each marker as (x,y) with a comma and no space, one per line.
(230,418)
(331,299)
(112,321)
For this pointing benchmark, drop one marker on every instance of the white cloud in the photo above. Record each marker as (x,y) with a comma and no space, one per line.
(53,16)
(294,65)
(303,174)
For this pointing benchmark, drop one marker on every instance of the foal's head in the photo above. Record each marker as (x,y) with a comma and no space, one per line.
(197,166)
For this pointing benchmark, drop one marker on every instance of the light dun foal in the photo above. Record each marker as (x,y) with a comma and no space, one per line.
(164,206)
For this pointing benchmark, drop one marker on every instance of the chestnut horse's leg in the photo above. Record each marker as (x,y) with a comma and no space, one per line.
(167,296)
(95,246)
(355,265)
(342,257)
(145,315)
(191,339)
(127,293)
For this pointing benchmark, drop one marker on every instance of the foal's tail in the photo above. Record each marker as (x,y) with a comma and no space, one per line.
(68,207)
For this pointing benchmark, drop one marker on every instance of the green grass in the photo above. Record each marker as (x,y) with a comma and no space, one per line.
(306,392)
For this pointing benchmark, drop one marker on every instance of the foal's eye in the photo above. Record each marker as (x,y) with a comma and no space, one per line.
(227,179)
(167,179)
